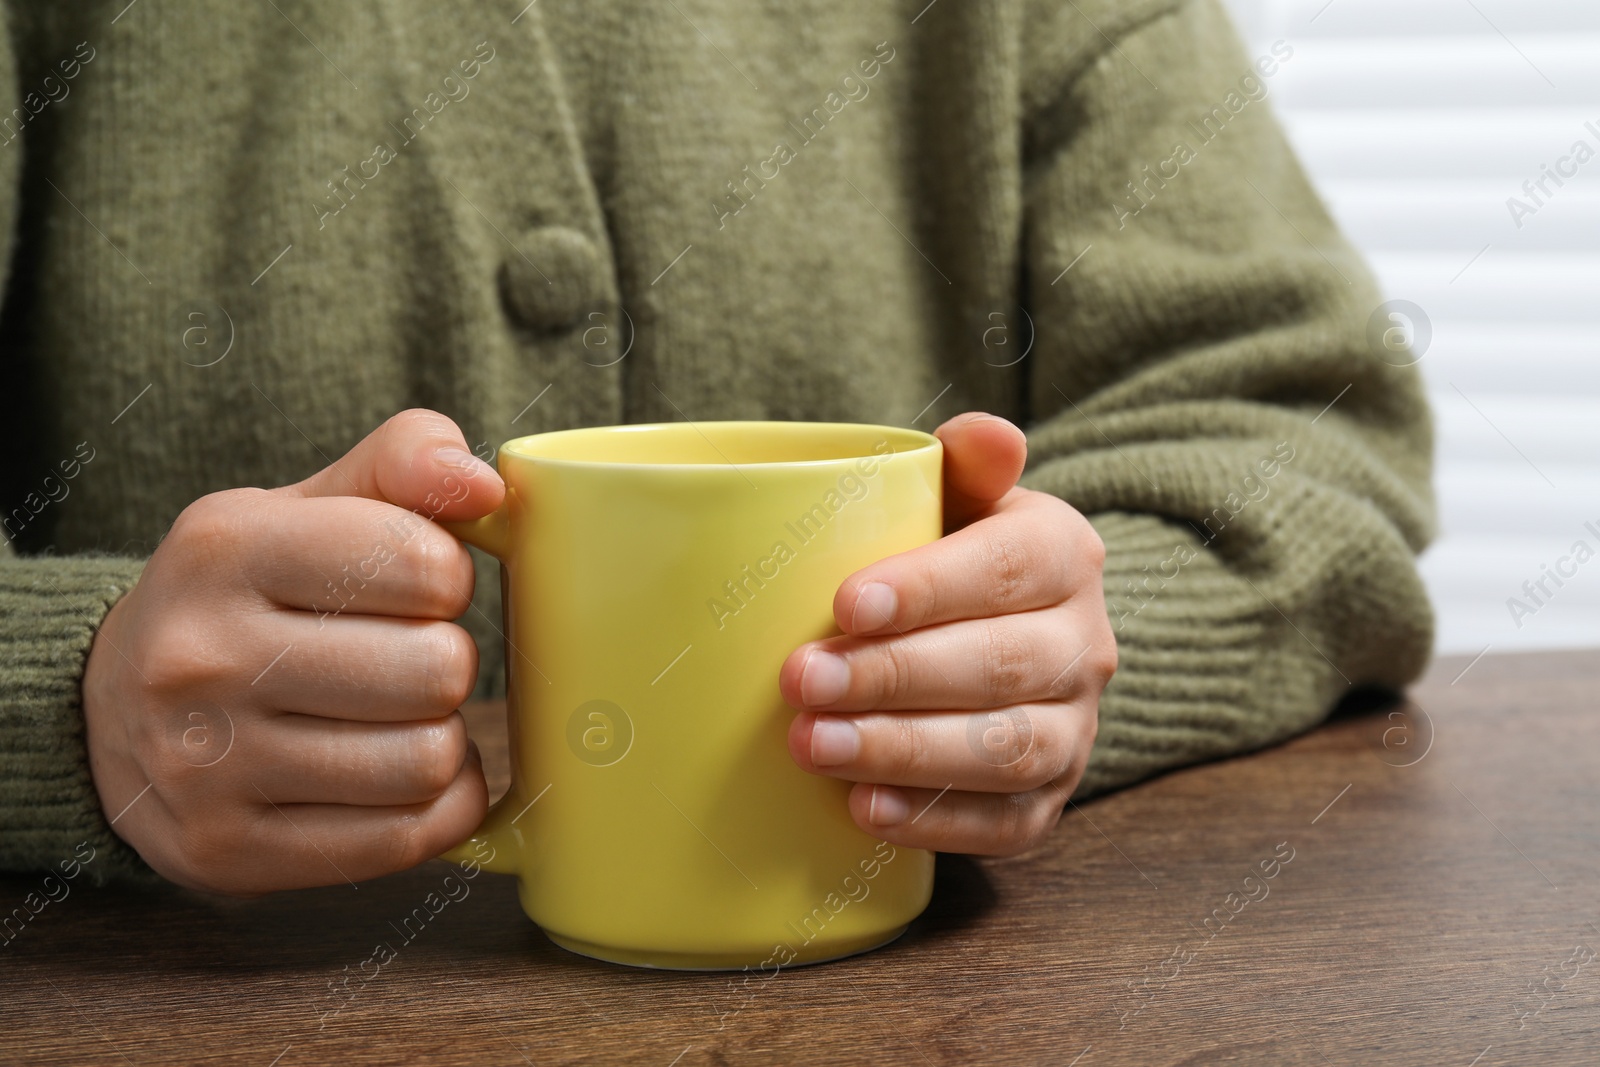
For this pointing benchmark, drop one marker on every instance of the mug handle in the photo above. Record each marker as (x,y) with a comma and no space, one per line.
(492,532)
(496,845)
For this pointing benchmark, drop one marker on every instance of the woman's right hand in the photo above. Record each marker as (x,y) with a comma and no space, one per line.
(274,704)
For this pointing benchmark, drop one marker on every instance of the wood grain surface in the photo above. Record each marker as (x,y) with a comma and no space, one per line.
(1439,906)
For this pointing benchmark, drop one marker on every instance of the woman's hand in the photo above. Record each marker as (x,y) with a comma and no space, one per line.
(964,696)
(273,704)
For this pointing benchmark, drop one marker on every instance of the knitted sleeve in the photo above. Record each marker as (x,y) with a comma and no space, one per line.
(49,610)
(1203,387)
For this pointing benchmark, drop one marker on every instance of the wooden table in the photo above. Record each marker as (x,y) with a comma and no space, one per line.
(1440,907)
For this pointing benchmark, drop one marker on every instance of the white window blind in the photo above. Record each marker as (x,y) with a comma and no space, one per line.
(1419,120)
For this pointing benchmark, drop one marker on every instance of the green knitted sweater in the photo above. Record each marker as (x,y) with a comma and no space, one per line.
(239,236)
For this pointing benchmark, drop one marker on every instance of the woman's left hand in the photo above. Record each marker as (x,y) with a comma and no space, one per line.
(965,692)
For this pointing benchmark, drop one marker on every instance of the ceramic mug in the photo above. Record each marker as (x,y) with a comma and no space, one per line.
(654,579)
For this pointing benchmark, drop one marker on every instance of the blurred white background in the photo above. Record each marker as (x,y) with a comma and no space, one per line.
(1418,120)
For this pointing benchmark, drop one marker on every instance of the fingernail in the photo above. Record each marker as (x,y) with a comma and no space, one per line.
(824,678)
(834,741)
(463,461)
(875,607)
(889,806)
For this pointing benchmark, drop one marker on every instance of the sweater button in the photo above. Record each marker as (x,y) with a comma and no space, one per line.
(553,278)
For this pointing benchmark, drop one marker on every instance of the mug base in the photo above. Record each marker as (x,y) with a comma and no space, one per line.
(723,961)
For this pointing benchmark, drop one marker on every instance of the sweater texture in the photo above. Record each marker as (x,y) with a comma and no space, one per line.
(240,236)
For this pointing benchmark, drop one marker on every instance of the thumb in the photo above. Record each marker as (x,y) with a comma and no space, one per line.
(983,458)
(417,460)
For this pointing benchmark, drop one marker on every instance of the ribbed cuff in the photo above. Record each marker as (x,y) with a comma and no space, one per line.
(49,810)
(1206,666)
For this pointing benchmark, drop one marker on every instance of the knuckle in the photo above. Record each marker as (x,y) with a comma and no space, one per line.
(925,599)
(406,843)
(1047,814)
(1109,662)
(1011,823)
(416,422)
(175,660)
(442,572)
(896,673)
(452,665)
(1103,660)
(450,576)
(437,754)
(1007,663)
(1043,760)
(208,528)
(1088,672)
(1009,570)
(1092,548)
(1028,820)
(906,755)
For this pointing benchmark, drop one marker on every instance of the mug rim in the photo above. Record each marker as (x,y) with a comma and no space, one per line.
(923,442)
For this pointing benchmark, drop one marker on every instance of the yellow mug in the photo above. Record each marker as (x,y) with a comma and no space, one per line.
(654,579)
